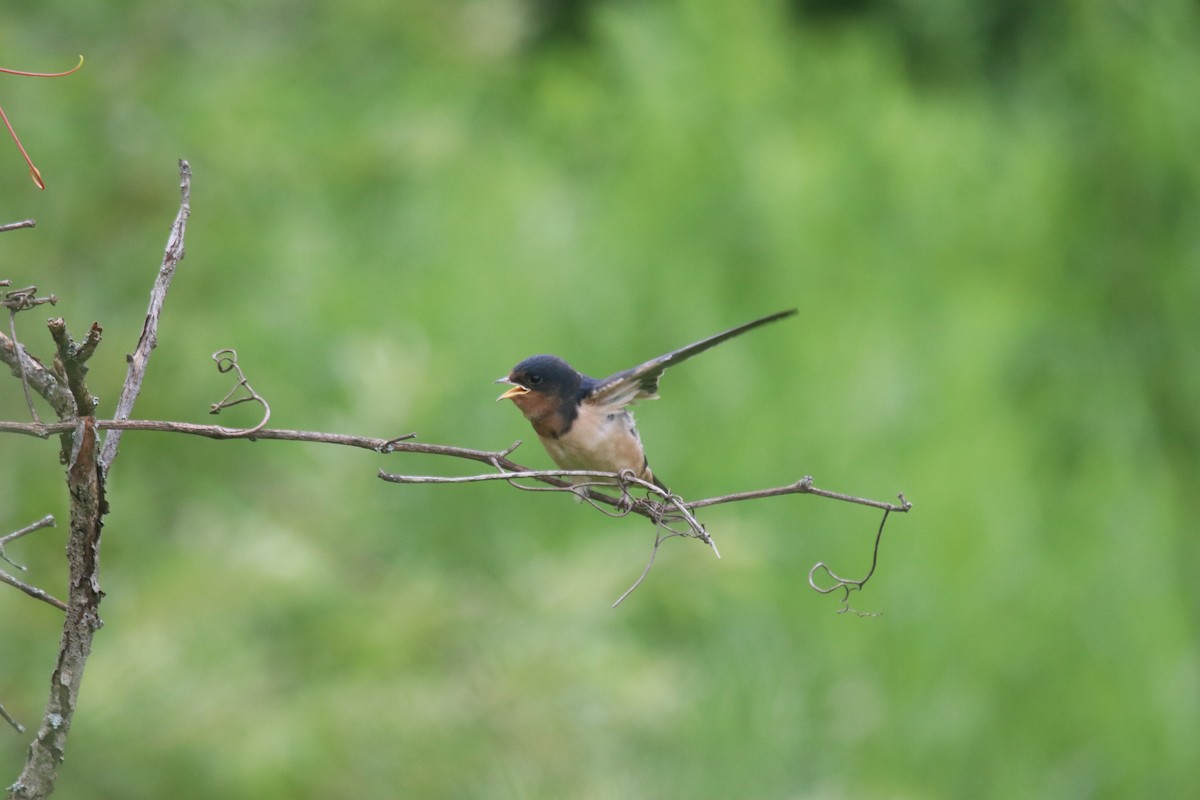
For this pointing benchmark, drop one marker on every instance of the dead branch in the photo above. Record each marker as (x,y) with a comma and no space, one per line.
(34,592)
(802,486)
(45,522)
(38,377)
(20,728)
(667,510)
(85,487)
(140,357)
(71,361)
(663,513)
(22,300)
(509,470)
(82,618)
(45,430)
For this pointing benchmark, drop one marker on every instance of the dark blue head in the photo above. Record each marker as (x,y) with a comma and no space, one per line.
(543,386)
(545,375)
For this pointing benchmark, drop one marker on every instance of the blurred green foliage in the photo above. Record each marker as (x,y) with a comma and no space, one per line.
(986,213)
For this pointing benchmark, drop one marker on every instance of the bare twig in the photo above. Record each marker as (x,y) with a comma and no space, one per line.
(670,509)
(146,343)
(553,478)
(508,476)
(45,522)
(802,486)
(20,728)
(511,469)
(22,300)
(39,378)
(32,591)
(663,513)
(12,326)
(42,431)
(12,226)
(72,361)
(659,538)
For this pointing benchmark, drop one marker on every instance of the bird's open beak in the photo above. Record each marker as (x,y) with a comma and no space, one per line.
(516,391)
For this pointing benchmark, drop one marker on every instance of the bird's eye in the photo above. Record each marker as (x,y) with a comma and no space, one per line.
(535,379)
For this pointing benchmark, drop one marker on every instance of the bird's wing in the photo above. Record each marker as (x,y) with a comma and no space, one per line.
(641,382)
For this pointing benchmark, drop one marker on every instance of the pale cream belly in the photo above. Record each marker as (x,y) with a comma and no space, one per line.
(597,441)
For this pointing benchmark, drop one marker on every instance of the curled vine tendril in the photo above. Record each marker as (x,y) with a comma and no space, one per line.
(22,300)
(848,585)
(226,362)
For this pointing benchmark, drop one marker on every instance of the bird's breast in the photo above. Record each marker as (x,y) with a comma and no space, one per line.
(598,439)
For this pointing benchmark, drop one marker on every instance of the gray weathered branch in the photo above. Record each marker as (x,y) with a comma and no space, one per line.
(140,357)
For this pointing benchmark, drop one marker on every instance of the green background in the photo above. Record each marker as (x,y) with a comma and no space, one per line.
(986,213)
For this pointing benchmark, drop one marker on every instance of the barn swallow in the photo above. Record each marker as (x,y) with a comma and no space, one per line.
(583,422)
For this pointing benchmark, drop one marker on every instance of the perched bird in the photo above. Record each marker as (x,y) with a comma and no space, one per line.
(583,422)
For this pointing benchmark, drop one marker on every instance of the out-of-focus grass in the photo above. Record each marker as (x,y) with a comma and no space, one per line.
(992,245)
